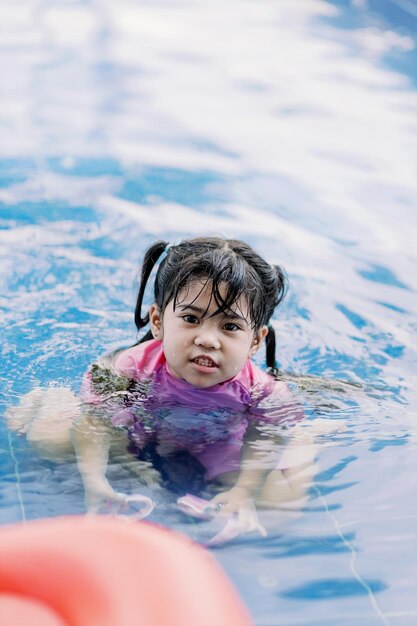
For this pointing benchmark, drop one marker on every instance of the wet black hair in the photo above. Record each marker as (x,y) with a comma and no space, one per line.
(219,262)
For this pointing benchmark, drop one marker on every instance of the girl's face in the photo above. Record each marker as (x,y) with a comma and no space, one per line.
(201,349)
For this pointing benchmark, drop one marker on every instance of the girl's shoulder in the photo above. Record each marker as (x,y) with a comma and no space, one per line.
(272,400)
(112,375)
(261,384)
(252,376)
(140,360)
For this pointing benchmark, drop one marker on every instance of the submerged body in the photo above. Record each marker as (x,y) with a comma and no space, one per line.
(209,423)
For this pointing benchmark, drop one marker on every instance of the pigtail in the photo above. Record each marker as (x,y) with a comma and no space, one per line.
(151,257)
(270,348)
(281,287)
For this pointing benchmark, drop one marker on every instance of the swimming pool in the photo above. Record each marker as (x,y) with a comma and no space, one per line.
(289,124)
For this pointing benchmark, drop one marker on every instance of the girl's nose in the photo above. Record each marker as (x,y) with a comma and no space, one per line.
(207,338)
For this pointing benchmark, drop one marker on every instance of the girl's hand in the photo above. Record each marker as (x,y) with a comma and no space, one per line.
(231,501)
(116,502)
(238,506)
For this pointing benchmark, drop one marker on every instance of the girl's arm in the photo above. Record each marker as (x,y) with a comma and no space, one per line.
(263,446)
(94,433)
(262,449)
(91,438)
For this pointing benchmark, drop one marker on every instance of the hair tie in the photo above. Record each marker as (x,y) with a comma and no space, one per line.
(165,252)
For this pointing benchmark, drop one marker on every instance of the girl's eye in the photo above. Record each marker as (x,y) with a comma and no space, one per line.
(190,319)
(231,326)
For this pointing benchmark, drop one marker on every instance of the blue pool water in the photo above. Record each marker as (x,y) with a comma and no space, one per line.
(289,124)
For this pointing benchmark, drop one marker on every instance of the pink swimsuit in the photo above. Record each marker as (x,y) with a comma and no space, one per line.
(209,423)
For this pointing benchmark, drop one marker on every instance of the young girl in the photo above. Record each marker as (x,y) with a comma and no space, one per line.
(189,383)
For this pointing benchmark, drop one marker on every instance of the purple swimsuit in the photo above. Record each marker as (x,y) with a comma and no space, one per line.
(209,423)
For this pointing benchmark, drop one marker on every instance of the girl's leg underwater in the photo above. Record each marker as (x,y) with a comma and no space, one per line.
(45,417)
(288,484)
(286,487)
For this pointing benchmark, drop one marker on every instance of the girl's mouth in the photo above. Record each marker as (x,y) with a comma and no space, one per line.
(204,363)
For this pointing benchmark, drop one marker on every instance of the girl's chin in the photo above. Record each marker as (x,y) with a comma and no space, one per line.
(203,380)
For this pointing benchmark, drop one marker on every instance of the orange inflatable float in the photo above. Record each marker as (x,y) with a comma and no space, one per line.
(97,571)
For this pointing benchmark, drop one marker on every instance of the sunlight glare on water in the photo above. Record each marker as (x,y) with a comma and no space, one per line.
(290,124)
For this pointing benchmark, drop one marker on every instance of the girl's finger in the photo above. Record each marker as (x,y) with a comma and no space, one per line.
(230,531)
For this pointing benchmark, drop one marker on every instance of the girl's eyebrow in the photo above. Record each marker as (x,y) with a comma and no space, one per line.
(191,307)
(232,315)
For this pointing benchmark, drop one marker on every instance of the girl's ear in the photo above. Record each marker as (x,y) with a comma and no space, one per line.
(258,339)
(155,321)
